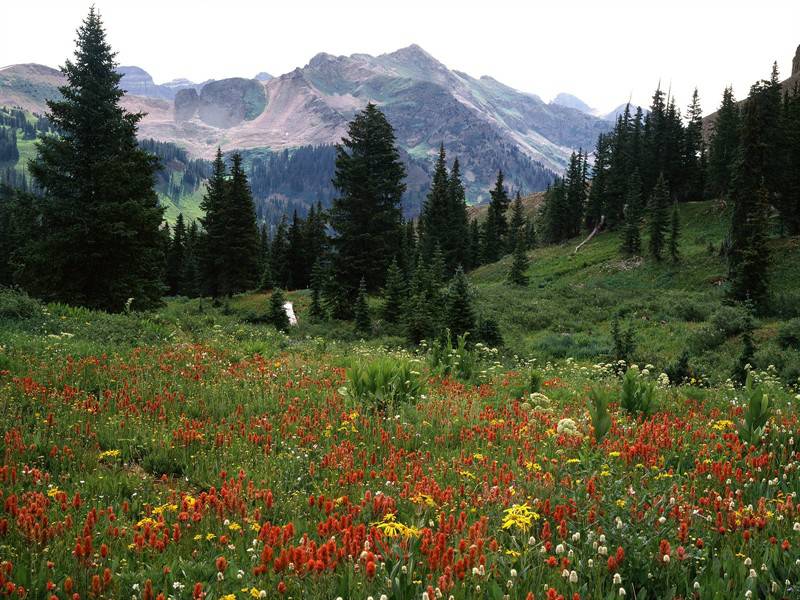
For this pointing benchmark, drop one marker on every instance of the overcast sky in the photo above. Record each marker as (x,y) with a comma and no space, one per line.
(602,51)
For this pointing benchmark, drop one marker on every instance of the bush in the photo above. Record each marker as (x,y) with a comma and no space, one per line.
(460,361)
(789,335)
(638,394)
(730,320)
(383,383)
(679,370)
(488,332)
(598,411)
(757,411)
(17,305)
(624,341)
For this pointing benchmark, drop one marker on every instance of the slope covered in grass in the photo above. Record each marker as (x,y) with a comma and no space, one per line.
(568,308)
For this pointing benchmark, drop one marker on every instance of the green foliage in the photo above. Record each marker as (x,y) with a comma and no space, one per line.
(460,361)
(598,411)
(624,341)
(459,312)
(789,334)
(495,227)
(488,332)
(17,305)
(657,217)
(97,240)
(362,320)
(638,395)
(394,294)
(757,411)
(519,265)
(366,215)
(276,315)
(383,384)
(679,370)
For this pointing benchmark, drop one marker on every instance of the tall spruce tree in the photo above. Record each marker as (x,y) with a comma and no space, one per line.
(433,221)
(631,237)
(517,275)
(176,258)
(694,153)
(213,221)
(394,294)
(240,254)
(753,174)
(279,255)
(674,234)
(457,242)
(361,317)
(276,313)
(790,208)
(495,227)
(98,242)
(366,214)
(459,313)
(657,219)
(516,225)
(723,146)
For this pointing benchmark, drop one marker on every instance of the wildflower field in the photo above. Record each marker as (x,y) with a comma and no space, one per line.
(221,460)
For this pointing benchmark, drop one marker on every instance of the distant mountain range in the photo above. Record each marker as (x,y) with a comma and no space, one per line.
(571,101)
(486,124)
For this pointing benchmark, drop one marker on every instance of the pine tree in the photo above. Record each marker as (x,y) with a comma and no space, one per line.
(596,203)
(394,294)
(317,285)
(366,215)
(657,217)
(474,251)
(213,241)
(457,243)
(297,254)
(674,234)
(434,220)
(460,314)
(240,255)
(530,233)
(755,180)
(631,238)
(361,311)
(516,226)
(279,255)
(192,277)
(517,275)
(723,146)
(421,316)
(790,192)
(176,258)
(276,314)
(98,243)
(694,152)
(495,227)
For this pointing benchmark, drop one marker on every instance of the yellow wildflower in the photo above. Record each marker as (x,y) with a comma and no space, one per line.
(520,516)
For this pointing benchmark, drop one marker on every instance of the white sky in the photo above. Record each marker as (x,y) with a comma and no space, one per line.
(603,51)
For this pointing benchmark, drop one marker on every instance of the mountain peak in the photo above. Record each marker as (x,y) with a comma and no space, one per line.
(570,101)
(412,53)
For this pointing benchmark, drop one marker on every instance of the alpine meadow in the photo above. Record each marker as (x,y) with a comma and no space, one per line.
(377,329)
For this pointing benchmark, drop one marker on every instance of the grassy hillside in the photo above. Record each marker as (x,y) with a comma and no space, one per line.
(568,308)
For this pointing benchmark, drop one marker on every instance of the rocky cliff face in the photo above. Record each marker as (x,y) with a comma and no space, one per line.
(222,104)
(796,63)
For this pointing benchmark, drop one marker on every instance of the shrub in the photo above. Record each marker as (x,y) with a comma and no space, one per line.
(789,335)
(624,341)
(638,394)
(679,370)
(17,305)
(598,411)
(730,320)
(757,411)
(460,361)
(383,383)
(488,332)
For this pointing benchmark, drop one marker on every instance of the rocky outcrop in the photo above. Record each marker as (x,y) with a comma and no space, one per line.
(796,63)
(223,104)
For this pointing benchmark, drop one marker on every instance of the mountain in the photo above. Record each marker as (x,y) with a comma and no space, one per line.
(263,76)
(486,124)
(571,101)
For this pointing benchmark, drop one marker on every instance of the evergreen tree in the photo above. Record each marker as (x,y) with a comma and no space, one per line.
(597,194)
(460,314)
(279,255)
(394,294)
(517,224)
(317,285)
(674,234)
(530,234)
(240,255)
(176,258)
(276,314)
(517,275)
(495,227)
(297,254)
(755,180)
(366,215)
(434,217)
(631,239)
(192,278)
(213,221)
(474,251)
(694,152)
(361,311)
(98,242)
(657,217)
(790,206)
(724,145)
(408,249)
(457,242)
(421,310)
(315,240)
